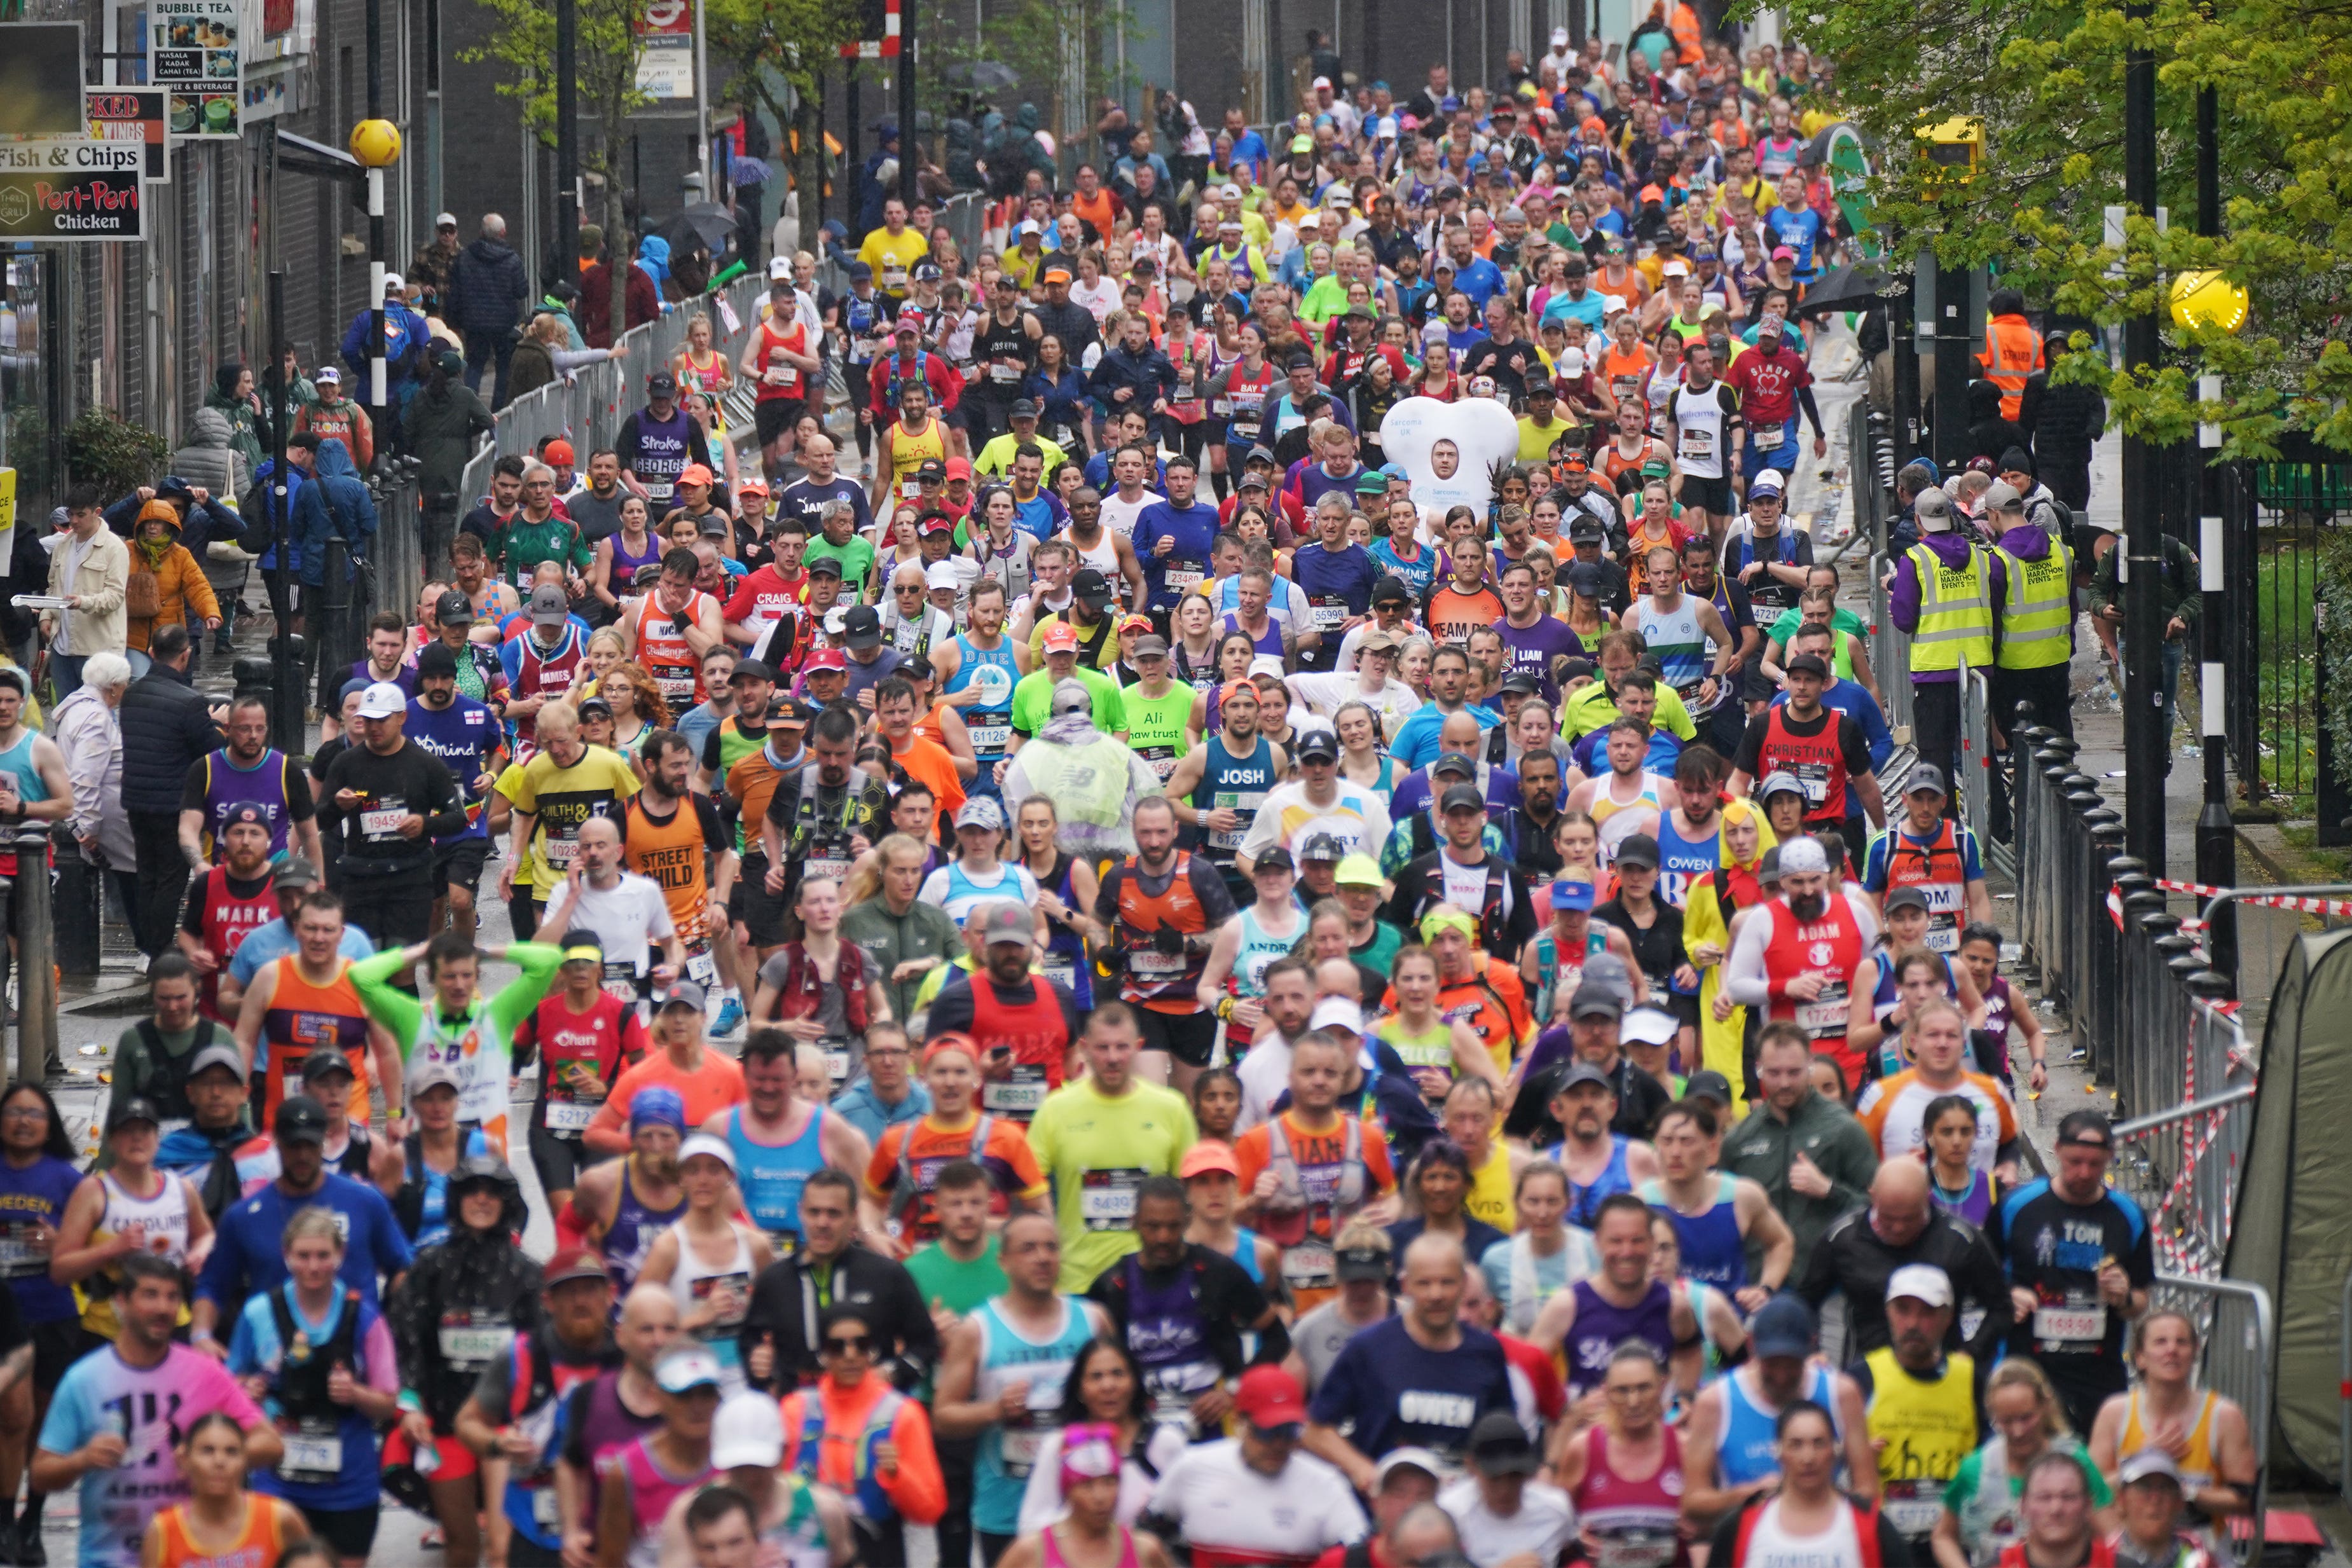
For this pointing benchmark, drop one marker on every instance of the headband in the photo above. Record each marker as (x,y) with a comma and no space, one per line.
(1443,920)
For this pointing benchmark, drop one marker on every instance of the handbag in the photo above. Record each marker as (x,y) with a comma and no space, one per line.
(143,596)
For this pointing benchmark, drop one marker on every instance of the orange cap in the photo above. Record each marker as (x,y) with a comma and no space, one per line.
(1207,1156)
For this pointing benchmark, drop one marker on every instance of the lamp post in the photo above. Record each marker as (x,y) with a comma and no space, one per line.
(376,145)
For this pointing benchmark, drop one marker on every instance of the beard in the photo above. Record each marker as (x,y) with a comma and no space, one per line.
(1810,906)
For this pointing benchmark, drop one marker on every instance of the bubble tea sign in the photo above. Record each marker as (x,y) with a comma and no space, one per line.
(193,55)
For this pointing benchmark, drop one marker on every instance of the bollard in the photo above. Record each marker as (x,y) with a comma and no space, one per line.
(36,989)
(79,905)
(335,608)
(2208,986)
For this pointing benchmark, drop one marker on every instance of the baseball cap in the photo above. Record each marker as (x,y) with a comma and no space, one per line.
(1377,641)
(1651,1027)
(423,1076)
(218,1055)
(2088,1129)
(1358,870)
(1149,646)
(1782,1326)
(292,872)
(138,1108)
(1932,508)
(453,609)
(1269,1396)
(327,372)
(780,268)
(1811,664)
(940,575)
(1302,143)
(1007,921)
(1922,1282)
(1595,1002)
(932,470)
(1904,899)
(683,994)
(1708,1084)
(862,627)
(446,220)
(560,455)
(1210,1156)
(980,811)
(1499,1445)
(1318,741)
(661,383)
(1060,637)
(1580,1072)
(828,564)
(750,669)
(747,1432)
(686,1368)
(383,701)
(1461,797)
(1337,1013)
(1407,1458)
(1452,765)
(2002,497)
(1523,682)
(573,1263)
(1323,846)
(1767,483)
(705,1143)
(1638,849)
(1070,696)
(1778,783)
(2151,1464)
(1926,777)
(549,606)
(300,1119)
(1091,586)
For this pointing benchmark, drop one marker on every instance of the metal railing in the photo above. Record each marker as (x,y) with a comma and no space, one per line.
(2236,1326)
(1890,649)
(2182,1163)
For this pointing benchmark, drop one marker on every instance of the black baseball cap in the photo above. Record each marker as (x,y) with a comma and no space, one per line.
(750,669)
(1090,585)
(828,564)
(1638,849)
(862,627)
(452,607)
(301,1119)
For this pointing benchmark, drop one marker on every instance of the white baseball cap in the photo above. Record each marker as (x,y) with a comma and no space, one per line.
(780,268)
(383,701)
(749,1430)
(707,1143)
(940,575)
(1921,1282)
(1337,1012)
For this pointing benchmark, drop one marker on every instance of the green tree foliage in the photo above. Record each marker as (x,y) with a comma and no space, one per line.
(605,80)
(779,52)
(2045,77)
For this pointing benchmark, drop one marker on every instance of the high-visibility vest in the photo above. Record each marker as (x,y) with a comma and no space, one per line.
(2036,612)
(1955,612)
(2012,352)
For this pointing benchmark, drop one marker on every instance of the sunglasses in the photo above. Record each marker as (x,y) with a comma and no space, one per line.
(1287,1432)
(848,1344)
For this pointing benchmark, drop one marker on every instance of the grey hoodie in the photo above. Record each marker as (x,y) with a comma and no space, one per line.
(208,460)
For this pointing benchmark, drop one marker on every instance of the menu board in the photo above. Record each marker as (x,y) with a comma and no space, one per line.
(193,55)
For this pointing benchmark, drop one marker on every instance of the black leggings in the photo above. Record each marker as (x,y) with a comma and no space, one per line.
(858,378)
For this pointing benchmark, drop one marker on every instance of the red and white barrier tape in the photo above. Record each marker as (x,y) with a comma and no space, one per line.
(2337,907)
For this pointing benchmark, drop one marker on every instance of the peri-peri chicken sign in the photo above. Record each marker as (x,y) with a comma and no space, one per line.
(71,188)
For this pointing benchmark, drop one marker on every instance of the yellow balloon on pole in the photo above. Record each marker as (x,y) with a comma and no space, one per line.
(375,144)
(2208,299)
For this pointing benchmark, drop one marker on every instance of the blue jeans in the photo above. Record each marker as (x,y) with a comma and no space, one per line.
(65,670)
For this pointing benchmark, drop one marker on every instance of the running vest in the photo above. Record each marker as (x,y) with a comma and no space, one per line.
(635,1226)
(547,672)
(1335,1191)
(671,854)
(2037,617)
(693,1281)
(765,354)
(1008,1449)
(1681,862)
(910,450)
(1936,869)
(1157,726)
(1238,785)
(1584,1198)
(662,650)
(1242,407)
(1829,946)
(1038,1034)
(652,1490)
(1601,1327)
(161,1222)
(1955,611)
(257,1547)
(1432,1047)
(1634,1523)
(1927,1427)
(1702,434)
(1744,1447)
(870,1506)
(1816,761)
(225,785)
(771,1175)
(310,1423)
(1713,1250)
(1260,952)
(1676,640)
(228,920)
(538,1390)
(1606,806)
(1153,975)
(915,1180)
(988,721)
(1168,1333)
(1005,351)
(302,1017)
(1549,973)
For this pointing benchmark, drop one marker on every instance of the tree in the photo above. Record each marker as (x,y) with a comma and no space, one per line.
(781,51)
(604,61)
(2045,77)
(1058,50)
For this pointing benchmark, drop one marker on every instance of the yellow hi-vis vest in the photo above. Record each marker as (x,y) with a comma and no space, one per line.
(1955,611)
(2036,614)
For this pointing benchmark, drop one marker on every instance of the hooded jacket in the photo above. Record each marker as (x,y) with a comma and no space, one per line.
(334,495)
(212,457)
(487,290)
(180,582)
(244,415)
(1707,919)
(485,1275)
(443,423)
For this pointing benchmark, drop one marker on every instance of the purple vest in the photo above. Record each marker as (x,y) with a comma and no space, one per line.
(1600,1328)
(264,785)
(635,1226)
(1166,1332)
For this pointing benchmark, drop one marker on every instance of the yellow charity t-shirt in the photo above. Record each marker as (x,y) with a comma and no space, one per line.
(1097,1150)
(563,799)
(880,249)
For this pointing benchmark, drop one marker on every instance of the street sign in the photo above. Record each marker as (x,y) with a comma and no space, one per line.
(665,51)
(57,188)
(881,33)
(192,53)
(132,116)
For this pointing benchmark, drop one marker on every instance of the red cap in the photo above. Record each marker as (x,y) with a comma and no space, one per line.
(559,454)
(959,468)
(574,1263)
(826,658)
(1269,1396)
(1060,637)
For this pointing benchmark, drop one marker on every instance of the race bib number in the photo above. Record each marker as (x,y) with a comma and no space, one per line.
(1815,778)
(1222,407)
(989,740)
(1182,577)
(1004,374)
(823,866)
(1059,966)
(1697,445)
(567,1119)
(311,1453)
(675,684)
(1634,1550)
(21,1255)
(469,1345)
(1107,1198)
(1014,1099)
(1913,1515)
(702,969)
(542,1508)
(1247,802)
(1020,1449)
(621,980)
(1330,614)
(382,821)
(1309,1266)
(836,1061)
(1825,1015)
(1146,963)
(2070,1325)
(1766,437)
(558,852)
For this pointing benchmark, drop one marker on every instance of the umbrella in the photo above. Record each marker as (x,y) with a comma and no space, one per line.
(706,221)
(982,76)
(1854,286)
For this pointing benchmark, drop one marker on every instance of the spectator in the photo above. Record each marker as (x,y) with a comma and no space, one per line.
(642,302)
(167,730)
(444,421)
(334,502)
(407,340)
(90,569)
(232,395)
(435,260)
(88,729)
(487,294)
(166,581)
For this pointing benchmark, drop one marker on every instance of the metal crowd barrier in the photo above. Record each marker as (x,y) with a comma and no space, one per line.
(2182,1163)
(1890,651)
(2238,1330)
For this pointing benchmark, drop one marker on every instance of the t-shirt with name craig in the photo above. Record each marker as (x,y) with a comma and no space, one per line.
(1397,1393)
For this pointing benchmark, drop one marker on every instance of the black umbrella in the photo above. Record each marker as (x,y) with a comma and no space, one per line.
(1854,286)
(982,76)
(706,221)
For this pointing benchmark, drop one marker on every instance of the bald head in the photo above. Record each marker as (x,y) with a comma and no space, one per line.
(1459,734)
(598,830)
(1435,1251)
(648,1304)
(1425,1531)
(1898,1201)
(1338,977)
